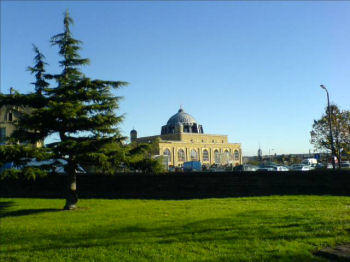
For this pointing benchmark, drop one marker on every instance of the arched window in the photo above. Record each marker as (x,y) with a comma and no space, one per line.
(227,155)
(205,155)
(167,153)
(236,154)
(194,155)
(10,117)
(217,156)
(181,155)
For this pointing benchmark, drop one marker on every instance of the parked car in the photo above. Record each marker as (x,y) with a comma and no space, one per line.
(345,164)
(245,167)
(320,166)
(58,165)
(310,162)
(179,169)
(330,165)
(217,168)
(301,167)
(282,168)
(267,168)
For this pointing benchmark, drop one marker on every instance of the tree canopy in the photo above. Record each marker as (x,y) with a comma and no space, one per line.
(79,110)
(340,121)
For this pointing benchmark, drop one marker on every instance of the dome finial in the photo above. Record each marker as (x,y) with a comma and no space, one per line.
(181,109)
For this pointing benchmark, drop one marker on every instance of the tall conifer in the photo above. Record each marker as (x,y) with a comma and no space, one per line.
(80,110)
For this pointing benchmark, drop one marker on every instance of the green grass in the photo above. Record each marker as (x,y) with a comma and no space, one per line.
(279,228)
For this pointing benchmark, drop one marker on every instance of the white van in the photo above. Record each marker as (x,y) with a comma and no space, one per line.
(310,162)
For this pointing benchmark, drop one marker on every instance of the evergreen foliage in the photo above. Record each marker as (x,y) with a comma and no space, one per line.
(80,110)
(139,158)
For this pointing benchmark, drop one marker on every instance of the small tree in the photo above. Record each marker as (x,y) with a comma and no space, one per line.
(140,157)
(340,121)
(80,110)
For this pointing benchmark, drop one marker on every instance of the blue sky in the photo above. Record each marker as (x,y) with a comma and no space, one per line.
(250,70)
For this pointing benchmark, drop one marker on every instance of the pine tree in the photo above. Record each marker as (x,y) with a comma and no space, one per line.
(79,109)
(82,112)
(29,127)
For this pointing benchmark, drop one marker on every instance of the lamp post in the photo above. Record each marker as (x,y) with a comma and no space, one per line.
(330,126)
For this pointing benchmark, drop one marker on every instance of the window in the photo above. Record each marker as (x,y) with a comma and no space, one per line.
(167,153)
(2,134)
(236,155)
(10,117)
(194,155)
(227,155)
(181,155)
(217,156)
(205,155)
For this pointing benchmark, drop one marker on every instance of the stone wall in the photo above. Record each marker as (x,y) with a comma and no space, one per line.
(8,124)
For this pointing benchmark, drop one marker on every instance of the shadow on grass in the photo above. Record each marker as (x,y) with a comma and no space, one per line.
(226,232)
(26,212)
(4,206)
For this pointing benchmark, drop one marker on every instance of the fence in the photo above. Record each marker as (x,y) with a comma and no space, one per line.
(185,185)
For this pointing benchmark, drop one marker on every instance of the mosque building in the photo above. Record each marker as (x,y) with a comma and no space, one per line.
(182,139)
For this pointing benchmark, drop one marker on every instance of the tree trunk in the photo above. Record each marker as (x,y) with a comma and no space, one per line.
(339,159)
(338,150)
(71,197)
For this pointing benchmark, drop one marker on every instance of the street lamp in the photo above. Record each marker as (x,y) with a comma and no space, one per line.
(330,126)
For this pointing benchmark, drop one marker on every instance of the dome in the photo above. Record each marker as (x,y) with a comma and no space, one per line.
(181,118)
(181,122)
(133,135)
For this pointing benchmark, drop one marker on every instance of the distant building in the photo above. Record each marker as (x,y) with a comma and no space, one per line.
(8,117)
(182,139)
(259,154)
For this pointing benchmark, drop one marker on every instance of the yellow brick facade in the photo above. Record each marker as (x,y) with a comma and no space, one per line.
(183,146)
(215,145)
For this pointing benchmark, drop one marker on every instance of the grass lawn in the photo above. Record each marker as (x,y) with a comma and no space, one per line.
(278,228)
